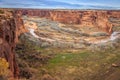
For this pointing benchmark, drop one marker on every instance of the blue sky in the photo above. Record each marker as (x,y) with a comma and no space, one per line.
(61,4)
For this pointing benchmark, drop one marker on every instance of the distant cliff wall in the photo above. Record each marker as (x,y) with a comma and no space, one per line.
(90,18)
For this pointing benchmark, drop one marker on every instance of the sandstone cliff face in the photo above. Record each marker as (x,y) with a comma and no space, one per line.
(90,18)
(10,28)
(20,26)
(114,14)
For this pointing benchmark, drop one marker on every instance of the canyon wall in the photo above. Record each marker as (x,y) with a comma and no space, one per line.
(11,26)
(90,18)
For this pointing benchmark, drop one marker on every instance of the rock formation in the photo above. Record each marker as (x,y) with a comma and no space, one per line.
(90,18)
(11,27)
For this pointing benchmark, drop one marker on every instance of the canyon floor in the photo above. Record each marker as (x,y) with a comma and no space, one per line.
(54,51)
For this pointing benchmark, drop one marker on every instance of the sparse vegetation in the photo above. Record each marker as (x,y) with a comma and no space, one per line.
(68,64)
(97,34)
(116,28)
(83,65)
(1,12)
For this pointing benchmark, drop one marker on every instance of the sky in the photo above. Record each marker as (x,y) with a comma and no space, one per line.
(61,4)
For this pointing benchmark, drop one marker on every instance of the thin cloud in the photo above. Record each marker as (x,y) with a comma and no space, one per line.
(89,3)
(57,4)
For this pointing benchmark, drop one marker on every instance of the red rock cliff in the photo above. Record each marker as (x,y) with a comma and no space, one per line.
(90,18)
(11,26)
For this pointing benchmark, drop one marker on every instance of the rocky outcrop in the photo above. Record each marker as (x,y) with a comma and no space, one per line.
(20,25)
(11,27)
(90,18)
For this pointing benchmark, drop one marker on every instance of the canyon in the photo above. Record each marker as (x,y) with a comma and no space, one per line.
(80,28)
(89,18)
(72,30)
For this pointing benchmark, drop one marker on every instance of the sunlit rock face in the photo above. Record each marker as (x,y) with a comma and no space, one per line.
(11,27)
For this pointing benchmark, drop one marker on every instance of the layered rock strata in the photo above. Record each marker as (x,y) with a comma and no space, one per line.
(11,26)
